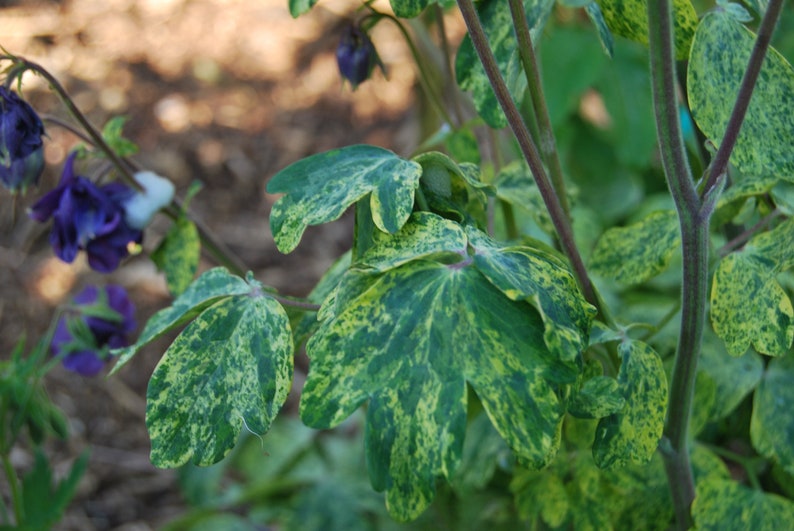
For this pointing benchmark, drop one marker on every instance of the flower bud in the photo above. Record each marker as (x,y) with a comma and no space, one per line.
(21,156)
(356,56)
(101,319)
(141,207)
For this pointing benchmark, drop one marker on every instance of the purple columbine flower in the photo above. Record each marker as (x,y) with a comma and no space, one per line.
(356,56)
(87,217)
(21,147)
(101,319)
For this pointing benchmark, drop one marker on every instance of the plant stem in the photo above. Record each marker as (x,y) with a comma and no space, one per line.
(530,152)
(694,223)
(720,161)
(13,483)
(548,144)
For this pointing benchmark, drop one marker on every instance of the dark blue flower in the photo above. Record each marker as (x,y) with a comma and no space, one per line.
(87,217)
(356,56)
(100,319)
(21,151)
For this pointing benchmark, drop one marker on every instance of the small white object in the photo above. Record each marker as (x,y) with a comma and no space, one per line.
(157,193)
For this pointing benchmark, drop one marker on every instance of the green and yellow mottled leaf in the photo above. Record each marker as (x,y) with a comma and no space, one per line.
(632,435)
(425,236)
(629,18)
(230,369)
(523,273)
(720,52)
(178,255)
(634,254)
(498,26)
(597,398)
(321,187)
(602,30)
(759,314)
(515,185)
(725,505)
(772,424)
(541,494)
(206,290)
(408,343)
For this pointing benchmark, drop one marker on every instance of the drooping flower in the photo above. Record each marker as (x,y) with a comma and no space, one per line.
(87,217)
(356,56)
(21,147)
(101,319)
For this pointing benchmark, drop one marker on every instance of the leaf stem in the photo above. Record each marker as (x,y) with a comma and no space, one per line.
(720,161)
(530,152)
(694,223)
(547,142)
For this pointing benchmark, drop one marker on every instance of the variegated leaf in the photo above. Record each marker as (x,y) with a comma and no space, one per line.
(632,435)
(321,187)
(230,369)
(720,53)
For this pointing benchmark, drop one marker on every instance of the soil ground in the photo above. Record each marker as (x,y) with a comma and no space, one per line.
(226,92)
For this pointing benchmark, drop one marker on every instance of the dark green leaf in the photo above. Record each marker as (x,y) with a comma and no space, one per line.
(597,18)
(230,369)
(408,8)
(734,378)
(597,398)
(772,425)
(632,435)
(299,7)
(725,505)
(321,187)
(720,53)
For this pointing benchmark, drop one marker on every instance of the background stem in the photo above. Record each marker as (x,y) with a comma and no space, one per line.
(530,152)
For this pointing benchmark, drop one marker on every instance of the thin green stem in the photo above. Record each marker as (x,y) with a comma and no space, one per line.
(530,153)
(765,30)
(547,142)
(13,484)
(694,223)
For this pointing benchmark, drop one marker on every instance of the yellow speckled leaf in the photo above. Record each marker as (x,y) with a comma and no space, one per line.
(772,424)
(408,342)
(321,187)
(629,18)
(230,369)
(749,307)
(719,57)
(632,435)
(725,505)
(634,254)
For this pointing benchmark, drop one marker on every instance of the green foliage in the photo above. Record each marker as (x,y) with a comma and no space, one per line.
(772,426)
(321,187)
(725,505)
(628,18)
(43,502)
(178,255)
(719,57)
(417,363)
(112,133)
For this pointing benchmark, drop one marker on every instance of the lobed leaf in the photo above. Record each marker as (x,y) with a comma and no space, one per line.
(629,18)
(209,288)
(413,365)
(230,368)
(734,378)
(632,435)
(719,57)
(634,254)
(772,424)
(321,187)
(725,505)
(759,314)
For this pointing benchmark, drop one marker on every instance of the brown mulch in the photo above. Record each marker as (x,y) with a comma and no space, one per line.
(226,92)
